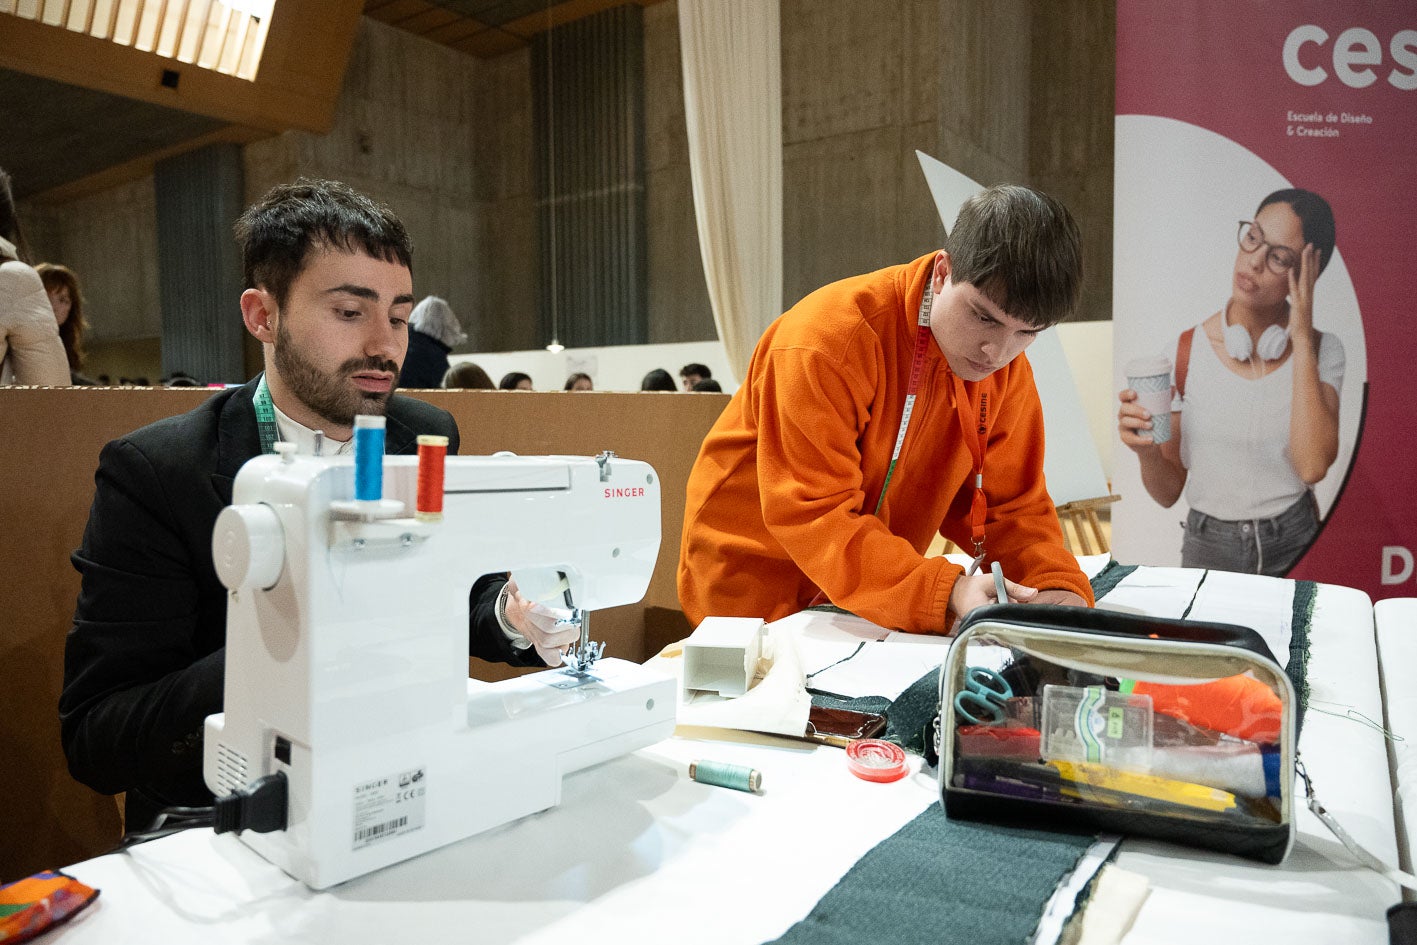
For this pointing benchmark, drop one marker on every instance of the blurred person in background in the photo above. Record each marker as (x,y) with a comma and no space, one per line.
(691,374)
(579,381)
(433,331)
(30,349)
(67,300)
(465,375)
(180,379)
(658,379)
(514,380)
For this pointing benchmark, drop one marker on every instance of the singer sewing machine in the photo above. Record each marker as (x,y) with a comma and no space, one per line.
(347,648)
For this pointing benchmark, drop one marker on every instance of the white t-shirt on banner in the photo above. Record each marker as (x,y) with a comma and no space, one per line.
(1235,433)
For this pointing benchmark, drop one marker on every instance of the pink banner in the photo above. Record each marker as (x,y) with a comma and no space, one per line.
(1221,104)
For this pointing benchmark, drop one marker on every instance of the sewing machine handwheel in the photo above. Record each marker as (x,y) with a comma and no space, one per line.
(248,547)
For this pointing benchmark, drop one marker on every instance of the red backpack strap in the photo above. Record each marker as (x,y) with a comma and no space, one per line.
(1183,360)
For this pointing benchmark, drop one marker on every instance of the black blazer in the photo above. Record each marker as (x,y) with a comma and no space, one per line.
(144,664)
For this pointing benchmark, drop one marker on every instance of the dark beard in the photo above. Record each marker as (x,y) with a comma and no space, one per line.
(331,396)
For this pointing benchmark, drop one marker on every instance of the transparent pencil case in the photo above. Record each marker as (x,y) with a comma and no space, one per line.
(1179,730)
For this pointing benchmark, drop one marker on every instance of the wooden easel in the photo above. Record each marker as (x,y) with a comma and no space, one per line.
(1081,514)
(1085,537)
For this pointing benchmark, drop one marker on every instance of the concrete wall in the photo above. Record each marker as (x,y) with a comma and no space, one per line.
(678,295)
(860,93)
(406,131)
(1072,100)
(110,240)
(1009,90)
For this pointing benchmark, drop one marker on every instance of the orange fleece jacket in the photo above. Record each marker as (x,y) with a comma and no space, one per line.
(780,499)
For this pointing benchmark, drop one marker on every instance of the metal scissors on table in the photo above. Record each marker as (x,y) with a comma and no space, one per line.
(981,701)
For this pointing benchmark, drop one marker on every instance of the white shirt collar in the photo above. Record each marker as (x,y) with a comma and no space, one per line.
(304,438)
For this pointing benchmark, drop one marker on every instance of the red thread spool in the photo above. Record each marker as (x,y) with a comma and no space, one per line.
(432,451)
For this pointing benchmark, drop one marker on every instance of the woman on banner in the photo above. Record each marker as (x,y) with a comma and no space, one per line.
(1257,386)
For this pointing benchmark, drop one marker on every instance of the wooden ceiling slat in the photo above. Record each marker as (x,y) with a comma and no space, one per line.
(460,29)
(399,10)
(530,25)
(431,19)
(443,24)
(489,44)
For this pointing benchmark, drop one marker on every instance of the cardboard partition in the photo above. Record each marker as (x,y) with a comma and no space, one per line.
(52,439)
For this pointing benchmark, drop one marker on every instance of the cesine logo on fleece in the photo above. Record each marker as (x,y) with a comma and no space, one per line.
(1352,52)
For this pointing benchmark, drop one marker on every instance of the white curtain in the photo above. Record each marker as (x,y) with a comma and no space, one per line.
(733,110)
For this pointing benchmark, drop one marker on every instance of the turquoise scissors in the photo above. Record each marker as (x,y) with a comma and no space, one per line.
(981,701)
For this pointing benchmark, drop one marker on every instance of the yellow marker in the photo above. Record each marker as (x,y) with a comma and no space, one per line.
(1079,776)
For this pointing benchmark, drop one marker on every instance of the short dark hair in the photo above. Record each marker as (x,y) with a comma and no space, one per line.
(1022,249)
(700,369)
(578,376)
(1315,217)
(707,385)
(278,233)
(658,379)
(511,379)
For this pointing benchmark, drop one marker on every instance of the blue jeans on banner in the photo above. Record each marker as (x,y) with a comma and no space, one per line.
(1269,546)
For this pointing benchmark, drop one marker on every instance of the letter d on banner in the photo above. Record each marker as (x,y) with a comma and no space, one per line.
(1391,555)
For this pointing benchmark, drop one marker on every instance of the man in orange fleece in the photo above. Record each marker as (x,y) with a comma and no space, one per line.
(795,499)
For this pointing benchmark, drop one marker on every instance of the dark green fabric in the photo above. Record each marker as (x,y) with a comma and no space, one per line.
(910,721)
(1109,577)
(875,705)
(939,880)
(1305,593)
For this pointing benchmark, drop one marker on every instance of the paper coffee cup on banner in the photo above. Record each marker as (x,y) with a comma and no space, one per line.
(1151,379)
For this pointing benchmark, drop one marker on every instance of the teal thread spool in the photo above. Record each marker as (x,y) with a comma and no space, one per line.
(737,777)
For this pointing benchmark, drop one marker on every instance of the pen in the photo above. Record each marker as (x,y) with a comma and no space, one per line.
(999,591)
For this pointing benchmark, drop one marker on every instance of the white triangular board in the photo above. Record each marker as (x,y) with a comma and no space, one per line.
(1071,464)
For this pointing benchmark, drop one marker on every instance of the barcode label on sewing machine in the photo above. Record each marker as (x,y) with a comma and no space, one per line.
(390,806)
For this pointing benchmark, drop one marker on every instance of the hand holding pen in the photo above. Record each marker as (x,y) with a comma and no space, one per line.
(971,591)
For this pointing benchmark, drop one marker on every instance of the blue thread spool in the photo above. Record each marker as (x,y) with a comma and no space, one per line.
(368,458)
(737,777)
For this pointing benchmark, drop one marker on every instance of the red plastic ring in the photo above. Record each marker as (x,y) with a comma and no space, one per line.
(874,760)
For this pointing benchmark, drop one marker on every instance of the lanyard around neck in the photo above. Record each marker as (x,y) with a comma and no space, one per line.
(265,417)
(976,438)
(917,367)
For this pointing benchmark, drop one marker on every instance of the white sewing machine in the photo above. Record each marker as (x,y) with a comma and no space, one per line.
(347,649)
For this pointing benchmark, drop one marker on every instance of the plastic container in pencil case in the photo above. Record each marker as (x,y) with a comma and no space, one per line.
(1178,730)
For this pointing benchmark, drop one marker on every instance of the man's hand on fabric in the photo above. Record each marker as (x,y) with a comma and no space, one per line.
(540,625)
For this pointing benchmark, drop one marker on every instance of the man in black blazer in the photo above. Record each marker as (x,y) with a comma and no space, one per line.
(329,294)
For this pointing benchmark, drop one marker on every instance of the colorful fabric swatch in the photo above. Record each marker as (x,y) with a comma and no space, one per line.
(37,903)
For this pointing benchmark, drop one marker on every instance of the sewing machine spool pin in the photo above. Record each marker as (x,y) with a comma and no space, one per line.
(602,460)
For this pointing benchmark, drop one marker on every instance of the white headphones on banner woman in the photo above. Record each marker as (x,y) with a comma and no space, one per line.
(1273,340)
